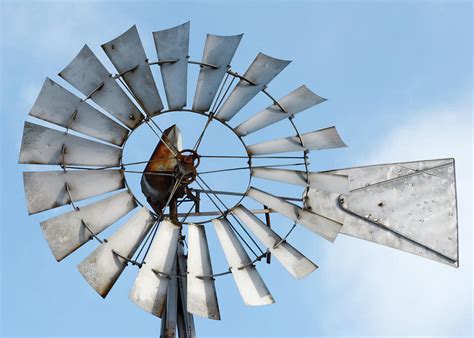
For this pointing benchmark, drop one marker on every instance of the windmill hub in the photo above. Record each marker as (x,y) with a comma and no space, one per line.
(188,161)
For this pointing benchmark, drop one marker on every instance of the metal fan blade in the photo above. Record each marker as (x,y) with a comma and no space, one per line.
(128,56)
(321,225)
(409,206)
(327,138)
(46,190)
(41,145)
(201,294)
(151,284)
(172,47)
(319,181)
(262,70)
(103,267)
(296,263)
(67,232)
(89,76)
(169,317)
(59,106)
(251,286)
(218,51)
(295,102)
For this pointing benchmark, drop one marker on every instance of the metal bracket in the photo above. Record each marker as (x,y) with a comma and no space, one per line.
(234,74)
(215,275)
(63,155)
(92,232)
(128,260)
(204,64)
(71,201)
(99,87)
(257,259)
(275,101)
(276,245)
(161,274)
(163,62)
(72,118)
(115,77)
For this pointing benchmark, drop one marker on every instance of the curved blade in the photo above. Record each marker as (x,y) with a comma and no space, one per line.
(149,290)
(59,106)
(218,51)
(262,70)
(66,233)
(126,52)
(89,76)
(327,138)
(41,145)
(201,294)
(102,268)
(319,181)
(295,102)
(296,263)
(318,224)
(251,286)
(173,45)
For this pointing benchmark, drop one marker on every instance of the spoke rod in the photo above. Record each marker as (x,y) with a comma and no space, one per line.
(219,213)
(253,157)
(247,167)
(235,193)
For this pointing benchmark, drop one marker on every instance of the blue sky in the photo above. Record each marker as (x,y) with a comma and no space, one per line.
(398,78)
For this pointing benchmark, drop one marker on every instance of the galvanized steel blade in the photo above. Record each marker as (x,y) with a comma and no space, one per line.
(41,145)
(251,286)
(172,47)
(103,267)
(295,262)
(59,106)
(262,70)
(89,76)
(128,56)
(201,293)
(321,225)
(218,51)
(66,233)
(46,190)
(150,287)
(295,102)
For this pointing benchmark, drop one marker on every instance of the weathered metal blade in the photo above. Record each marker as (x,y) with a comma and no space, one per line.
(46,190)
(319,181)
(89,76)
(201,294)
(186,328)
(172,47)
(296,263)
(169,318)
(59,106)
(103,267)
(66,233)
(151,284)
(128,56)
(251,286)
(327,138)
(321,225)
(218,51)
(409,206)
(41,145)
(262,70)
(295,102)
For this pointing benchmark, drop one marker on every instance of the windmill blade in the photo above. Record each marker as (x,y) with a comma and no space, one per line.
(169,318)
(67,232)
(91,78)
(128,56)
(296,263)
(172,48)
(103,267)
(251,286)
(295,102)
(46,190)
(201,294)
(59,106)
(41,145)
(327,138)
(185,321)
(262,70)
(218,51)
(319,181)
(321,225)
(151,284)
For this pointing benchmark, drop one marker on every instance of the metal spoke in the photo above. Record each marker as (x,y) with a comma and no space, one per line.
(236,193)
(247,167)
(253,157)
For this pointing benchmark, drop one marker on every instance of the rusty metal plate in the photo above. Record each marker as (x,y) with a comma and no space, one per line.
(126,52)
(41,145)
(66,233)
(59,106)
(218,51)
(295,102)
(102,268)
(262,70)
(89,76)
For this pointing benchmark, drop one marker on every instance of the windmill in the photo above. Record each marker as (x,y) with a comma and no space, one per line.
(408,206)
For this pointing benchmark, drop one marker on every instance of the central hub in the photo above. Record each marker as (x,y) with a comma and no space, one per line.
(188,161)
